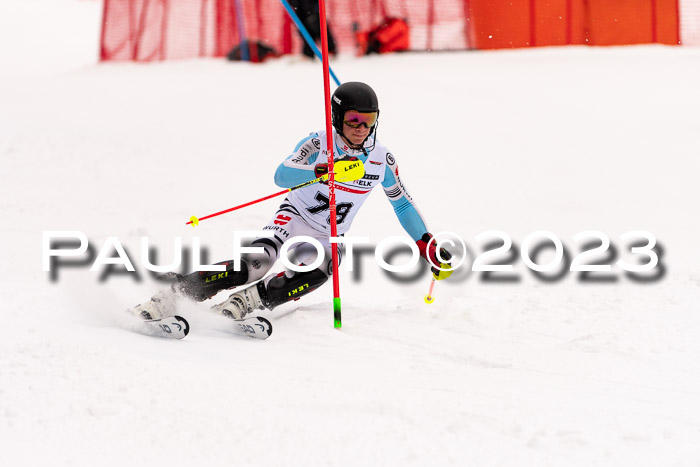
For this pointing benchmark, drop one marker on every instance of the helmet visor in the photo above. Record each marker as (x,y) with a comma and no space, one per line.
(355,119)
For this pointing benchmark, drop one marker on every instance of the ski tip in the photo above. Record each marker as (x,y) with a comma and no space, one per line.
(256,327)
(173,327)
(185,324)
(267,323)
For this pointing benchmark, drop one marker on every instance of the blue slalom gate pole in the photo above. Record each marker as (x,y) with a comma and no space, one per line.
(245,53)
(307,37)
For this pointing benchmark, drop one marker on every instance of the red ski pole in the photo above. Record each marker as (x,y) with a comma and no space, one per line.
(348,171)
(194,220)
(429,298)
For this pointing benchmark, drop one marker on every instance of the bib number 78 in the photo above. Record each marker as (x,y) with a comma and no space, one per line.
(341,209)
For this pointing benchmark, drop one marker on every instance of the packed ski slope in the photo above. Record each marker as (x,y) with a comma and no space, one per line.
(525,372)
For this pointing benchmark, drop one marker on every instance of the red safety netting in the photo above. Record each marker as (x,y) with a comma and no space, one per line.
(147,30)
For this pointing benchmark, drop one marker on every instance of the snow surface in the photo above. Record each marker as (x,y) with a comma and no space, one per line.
(492,374)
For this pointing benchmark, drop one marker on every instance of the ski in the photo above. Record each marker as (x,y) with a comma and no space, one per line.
(173,327)
(256,327)
(177,327)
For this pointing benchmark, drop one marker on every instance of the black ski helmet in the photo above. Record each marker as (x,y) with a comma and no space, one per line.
(352,96)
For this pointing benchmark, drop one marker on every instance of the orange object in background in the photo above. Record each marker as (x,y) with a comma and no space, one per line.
(632,22)
(619,22)
(527,23)
(498,24)
(667,24)
(551,22)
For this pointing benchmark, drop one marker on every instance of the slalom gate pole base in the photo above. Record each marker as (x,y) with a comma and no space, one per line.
(336,313)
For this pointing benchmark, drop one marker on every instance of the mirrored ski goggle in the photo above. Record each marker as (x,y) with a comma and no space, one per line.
(355,119)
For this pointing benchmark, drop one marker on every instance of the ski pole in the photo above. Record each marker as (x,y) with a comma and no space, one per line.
(194,220)
(429,298)
(345,171)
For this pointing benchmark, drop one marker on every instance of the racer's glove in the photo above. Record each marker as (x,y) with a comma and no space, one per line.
(429,252)
(321,169)
(347,169)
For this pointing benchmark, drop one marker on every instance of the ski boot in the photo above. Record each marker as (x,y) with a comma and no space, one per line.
(161,305)
(197,286)
(271,292)
(240,303)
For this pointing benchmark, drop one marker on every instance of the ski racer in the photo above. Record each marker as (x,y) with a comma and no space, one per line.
(306,211)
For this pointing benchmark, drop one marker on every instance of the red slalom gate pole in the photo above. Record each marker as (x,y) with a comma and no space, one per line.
(329,146)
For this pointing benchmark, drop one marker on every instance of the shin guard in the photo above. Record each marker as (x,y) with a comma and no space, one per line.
(201,285)
(282,289)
